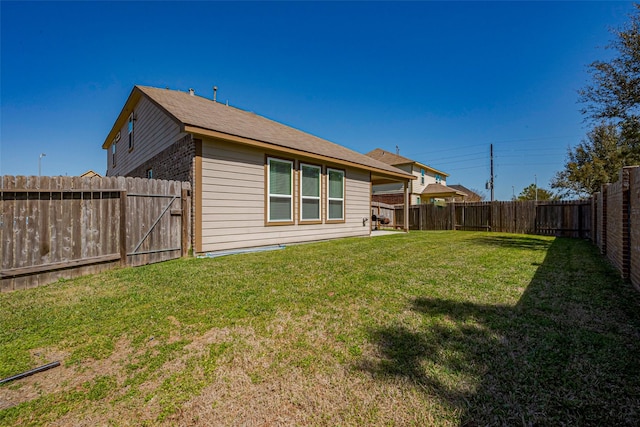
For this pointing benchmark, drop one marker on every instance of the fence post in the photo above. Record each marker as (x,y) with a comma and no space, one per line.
(605,237)
(626,232)
(185,223)
(123,228)
(594,218)
(453,216)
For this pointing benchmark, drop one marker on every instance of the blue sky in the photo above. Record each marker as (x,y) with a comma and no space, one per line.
(441,80)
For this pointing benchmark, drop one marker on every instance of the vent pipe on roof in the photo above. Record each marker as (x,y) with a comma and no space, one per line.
(215,89)
(192,92)
(397,150)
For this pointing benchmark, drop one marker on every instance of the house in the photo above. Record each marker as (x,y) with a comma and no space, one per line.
(429,186)
(90,174)
(255,182)
(471,196)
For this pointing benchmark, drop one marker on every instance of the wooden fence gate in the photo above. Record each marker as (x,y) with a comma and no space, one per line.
(64,227)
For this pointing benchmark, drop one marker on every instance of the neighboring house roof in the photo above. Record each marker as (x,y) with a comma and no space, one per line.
(202,116)
(90,174)
(472,196)
(396,159)
(439,190)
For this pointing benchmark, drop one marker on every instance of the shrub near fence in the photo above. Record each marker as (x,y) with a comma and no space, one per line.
(63,227)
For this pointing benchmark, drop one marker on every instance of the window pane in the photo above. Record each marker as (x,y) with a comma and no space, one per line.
(279,177)
(310,181)
(335,209)
(336,186)
(279,209)
(311,209)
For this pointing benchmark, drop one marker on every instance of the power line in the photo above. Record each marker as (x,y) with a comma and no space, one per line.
(498,142)
(466,168)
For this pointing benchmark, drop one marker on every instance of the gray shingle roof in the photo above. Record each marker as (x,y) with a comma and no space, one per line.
(396,159)
(439,189)
(389,158)
(471,195)
(196,111)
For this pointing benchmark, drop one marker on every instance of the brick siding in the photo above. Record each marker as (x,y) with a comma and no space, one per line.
(634,226)
(389,199)
(173,163)
(617,231)
(614,225)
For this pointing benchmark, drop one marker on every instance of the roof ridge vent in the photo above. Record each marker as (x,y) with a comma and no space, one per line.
(192,92)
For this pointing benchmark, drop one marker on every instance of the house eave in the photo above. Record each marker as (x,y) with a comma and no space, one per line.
(379,173)
(439,172)
(132,100)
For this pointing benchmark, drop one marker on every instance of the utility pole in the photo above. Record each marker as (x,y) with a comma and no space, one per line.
(491,181)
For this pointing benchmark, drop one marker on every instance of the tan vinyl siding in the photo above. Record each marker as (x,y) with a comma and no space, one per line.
(233,201)
(153,132)
(416,187)
(388,188)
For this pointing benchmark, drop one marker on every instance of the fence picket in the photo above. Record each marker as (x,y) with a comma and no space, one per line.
(55,227)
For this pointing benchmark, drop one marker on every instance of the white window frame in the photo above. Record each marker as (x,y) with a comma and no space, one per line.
(422,176)
(303,197)
(130,130)
(333,199)
(281,196)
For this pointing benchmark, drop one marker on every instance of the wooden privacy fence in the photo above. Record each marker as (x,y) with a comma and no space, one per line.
(617,223)
(64,227)
(561,218)
(382,210)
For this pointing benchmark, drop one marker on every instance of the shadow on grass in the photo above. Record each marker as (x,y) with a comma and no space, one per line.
(514,241)
(565,354)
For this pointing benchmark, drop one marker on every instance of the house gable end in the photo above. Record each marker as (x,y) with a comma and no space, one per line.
(142,131)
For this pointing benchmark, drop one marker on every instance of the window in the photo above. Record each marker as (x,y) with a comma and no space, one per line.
(438,179)
(113,153)
(422,176)
(335,195)
(150,173)
(418,200)
(130,129)
(310,192)
(280,189)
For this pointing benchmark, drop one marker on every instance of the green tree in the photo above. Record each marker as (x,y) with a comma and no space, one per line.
(614,94)
(611,102)
(595,161)
(529,193)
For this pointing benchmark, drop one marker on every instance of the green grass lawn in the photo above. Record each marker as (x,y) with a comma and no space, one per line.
(425,328)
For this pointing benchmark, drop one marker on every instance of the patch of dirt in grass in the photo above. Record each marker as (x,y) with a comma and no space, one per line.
(63,377)
(265,384)
(338,397)
(292,374)
(196,348)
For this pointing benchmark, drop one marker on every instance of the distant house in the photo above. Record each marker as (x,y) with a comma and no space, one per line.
(429,186)
(471,196)
(255,182)
(90,174)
